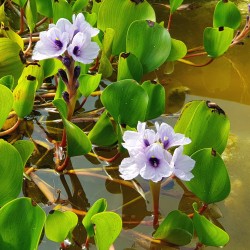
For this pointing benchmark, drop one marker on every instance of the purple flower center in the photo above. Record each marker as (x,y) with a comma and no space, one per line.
(154,162)
(76,51)
(146,142)
(58,44)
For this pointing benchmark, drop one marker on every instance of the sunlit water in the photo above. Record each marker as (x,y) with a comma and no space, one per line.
(226,81)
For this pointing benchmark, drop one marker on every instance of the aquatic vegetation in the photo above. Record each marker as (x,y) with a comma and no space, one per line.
(106,49)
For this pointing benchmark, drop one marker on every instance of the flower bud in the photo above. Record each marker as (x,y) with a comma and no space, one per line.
(63,75)
(77,71)
(65,96)
(66,61)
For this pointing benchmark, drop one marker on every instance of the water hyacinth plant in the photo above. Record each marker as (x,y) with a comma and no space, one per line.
(65,54)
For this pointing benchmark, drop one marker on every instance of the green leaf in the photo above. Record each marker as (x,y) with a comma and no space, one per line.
(24,95)
(105,67)
(31,14)
(226,14)
(61,87)
(21,3)
(126,101)
(51,66)
(10,60)
(151,47)
(121,13)
(108,226)
(177,228)
(174,5)
(21,224)
(178,50)
(61,9)
(44,8)
(25,149)
(79,5)
(11,178)
(206,124)
(208,233)
(59,224)
(98,207)
(156,100)
(8,32)
(6,103)
(77,141)
(217,40)
(7,81)
(129,67)
(103,133)
(211,182)
(36,70)
(88,83)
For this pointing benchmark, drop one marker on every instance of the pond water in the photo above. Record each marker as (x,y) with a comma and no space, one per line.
(226,81)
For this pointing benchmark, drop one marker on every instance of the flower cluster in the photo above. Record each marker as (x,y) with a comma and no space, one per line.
(73,38)
(149,154)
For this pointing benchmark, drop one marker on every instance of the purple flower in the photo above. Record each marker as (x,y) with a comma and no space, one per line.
(151,164)
(169,138)
(53,43)
(81,25)
(82,49)
(135,141)
(64,25)
(182,165)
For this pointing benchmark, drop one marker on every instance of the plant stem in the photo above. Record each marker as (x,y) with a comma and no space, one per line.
(155,188)
(12,129)
(169,21)
(194,64)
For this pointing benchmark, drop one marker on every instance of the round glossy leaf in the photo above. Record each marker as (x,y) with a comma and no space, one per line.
(51,66)
(156,99)
(121,13)
(211,182)
(25,149)
(59,224)
(61,9)
(77,141)
(126,101)
(98,207)
(206,124)
(174,5)
(103,133)
(108,226)
(24,95)
(6,102)
(10,60)
(177,228)
(11,177)
(88,83)
(226,14)
(44,8)
(208,233)
(149,42)
(178,50)
(217,40)
(7,81)
(21,224)
(129,67)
